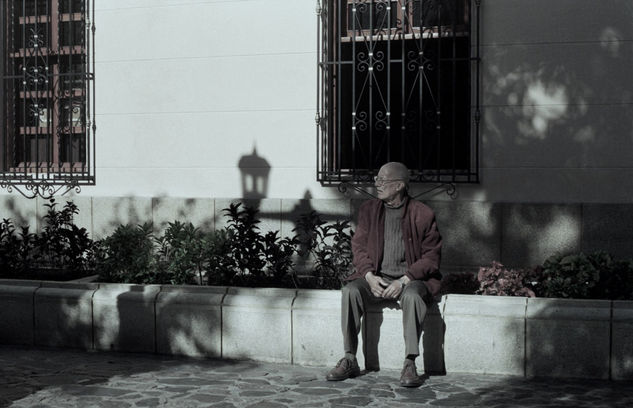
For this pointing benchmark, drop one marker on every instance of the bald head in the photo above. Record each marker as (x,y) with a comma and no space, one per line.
(396,171)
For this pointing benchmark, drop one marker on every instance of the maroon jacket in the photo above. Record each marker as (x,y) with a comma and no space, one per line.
(422,242)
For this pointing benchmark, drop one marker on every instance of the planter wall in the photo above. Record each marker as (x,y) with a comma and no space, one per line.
(462,333)
(124,317)
(256,324)
(189,320)
(622,340)
(568,338)
(63,314)
(16,312)
(485,334)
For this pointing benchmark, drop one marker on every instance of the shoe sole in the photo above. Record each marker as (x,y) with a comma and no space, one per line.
(411,385)
(351,375)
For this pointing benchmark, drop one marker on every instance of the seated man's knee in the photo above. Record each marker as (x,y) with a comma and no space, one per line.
(352,289)
(414,292)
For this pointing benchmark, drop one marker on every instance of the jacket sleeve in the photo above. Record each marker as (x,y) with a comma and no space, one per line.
(428,264)
(363,263)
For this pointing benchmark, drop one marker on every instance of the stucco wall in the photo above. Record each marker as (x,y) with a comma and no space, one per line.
(188,91)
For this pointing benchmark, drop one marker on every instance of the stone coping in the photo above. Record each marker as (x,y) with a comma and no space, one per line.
(462,333)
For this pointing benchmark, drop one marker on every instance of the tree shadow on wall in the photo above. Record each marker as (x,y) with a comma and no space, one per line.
(559,98)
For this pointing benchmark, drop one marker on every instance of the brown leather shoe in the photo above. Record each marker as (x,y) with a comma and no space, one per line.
(345,368)
(409,376)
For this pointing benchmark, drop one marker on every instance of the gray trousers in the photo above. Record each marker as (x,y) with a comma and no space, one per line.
(357,294)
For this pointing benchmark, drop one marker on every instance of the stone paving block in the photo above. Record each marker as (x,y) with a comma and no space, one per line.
(607,227)
(316,328)
(110,212)
(533,232)
(198,211)
(63,314)
(485,334)
(568,338)
(189,320)
(269,212)
(16,311)
(382,340)
(257,324)
(124,317)
(622,341)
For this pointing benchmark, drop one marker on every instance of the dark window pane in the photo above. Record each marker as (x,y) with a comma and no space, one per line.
(72,148)
(71,33)
(71,6)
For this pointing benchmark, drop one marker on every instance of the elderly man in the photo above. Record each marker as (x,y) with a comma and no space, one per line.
(396,250)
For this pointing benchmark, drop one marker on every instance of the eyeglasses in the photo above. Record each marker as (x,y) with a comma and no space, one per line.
(382,181)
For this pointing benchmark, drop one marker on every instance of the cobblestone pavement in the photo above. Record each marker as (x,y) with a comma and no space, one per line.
(61,378)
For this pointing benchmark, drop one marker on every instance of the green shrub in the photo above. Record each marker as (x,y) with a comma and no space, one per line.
(16,250)
(60,246)
(128,256)
(569,276)
(593,276)
(329,244)
(250,258)
(182,253)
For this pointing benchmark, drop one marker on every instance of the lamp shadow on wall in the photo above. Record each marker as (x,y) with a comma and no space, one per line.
(254,176)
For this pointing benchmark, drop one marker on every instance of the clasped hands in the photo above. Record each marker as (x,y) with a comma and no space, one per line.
(383,289)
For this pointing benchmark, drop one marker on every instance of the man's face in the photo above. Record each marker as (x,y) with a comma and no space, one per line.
(387,186)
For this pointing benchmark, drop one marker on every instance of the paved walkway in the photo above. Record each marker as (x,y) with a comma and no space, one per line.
(60,378)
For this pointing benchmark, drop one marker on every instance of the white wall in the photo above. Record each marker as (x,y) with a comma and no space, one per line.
(186,88)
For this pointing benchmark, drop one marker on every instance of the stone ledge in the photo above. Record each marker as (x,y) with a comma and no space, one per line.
(463,333)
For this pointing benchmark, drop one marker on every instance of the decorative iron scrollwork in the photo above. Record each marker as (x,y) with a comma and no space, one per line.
(41,188)
(449,188)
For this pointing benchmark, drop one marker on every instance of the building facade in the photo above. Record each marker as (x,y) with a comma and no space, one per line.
(201,102)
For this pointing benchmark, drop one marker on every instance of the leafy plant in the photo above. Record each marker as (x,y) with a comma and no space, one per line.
(16,249)
(569,276)
(62,244)
(498,280)
(185,253)
(128,255)
(278,254)
(329,244)
(250,258)
(581,276)
(245,244)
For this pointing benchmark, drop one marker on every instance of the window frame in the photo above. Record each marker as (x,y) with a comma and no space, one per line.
(330,166)
(47,74)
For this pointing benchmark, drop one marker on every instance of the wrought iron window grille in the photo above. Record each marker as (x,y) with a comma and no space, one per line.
(398,80)
(48,97)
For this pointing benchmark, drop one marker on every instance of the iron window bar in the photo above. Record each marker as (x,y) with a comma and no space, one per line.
(48,99)
(396,84)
